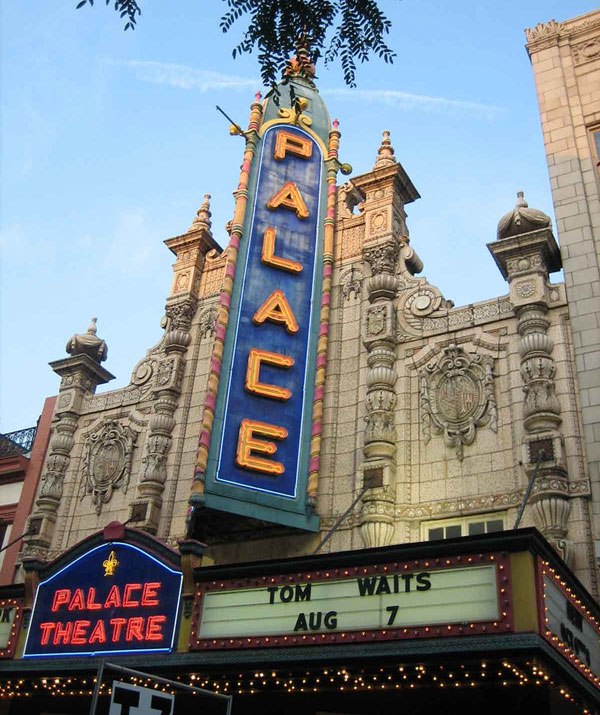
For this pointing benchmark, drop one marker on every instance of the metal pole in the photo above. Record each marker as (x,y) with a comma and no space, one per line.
(337,524)
(97,688)
(540,459)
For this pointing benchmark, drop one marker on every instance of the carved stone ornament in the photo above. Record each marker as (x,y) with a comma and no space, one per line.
(207,323)
(382,258)
(351,283)
(457,396)
(376,320)
(107,463)
(180,314)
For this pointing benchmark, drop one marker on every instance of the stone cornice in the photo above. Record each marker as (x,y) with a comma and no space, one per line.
(546,34)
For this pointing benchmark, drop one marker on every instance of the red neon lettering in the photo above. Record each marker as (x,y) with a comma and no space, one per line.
(149,594)
(47,629)
(154,628)
(77,602)
(117,624)
(80,632)
(98,634)
(113,600)
(60,598)
(127,602)
(91,604)
(63,633)
(134,629)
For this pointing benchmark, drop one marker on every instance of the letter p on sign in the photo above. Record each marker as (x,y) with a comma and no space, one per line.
(134,700)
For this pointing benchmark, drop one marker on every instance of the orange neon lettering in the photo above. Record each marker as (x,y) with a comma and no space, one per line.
(248,445)
(98,634)
(127,601)
(77,603)
(277,309)
(288,143)
(117,624)
(47,629)
(91,604)
(113,600)
(154,628)
(289,197)
(269,258)
(80,632)
(62,632)
(61,597)
(265,389)
(149,594)
(134,629)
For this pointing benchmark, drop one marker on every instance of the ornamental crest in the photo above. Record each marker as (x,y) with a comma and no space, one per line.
(107,464)
(457,396)
(376,320)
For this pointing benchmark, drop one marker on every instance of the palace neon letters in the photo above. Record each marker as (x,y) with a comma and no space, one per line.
(253,384)
(256,445)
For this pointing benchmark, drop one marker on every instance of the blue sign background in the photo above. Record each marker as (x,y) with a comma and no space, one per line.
(87,571)
(297,240)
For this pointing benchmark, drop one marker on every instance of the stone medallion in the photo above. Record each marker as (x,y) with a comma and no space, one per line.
(107,464)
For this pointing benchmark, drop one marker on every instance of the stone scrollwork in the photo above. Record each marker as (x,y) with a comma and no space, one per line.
(351,283)
(208,319)
(107,463)
(457,396)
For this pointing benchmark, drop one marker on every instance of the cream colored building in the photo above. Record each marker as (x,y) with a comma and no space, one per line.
(435,417)
(566,63)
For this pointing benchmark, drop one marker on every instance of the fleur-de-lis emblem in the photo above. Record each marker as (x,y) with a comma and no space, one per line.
(110,564)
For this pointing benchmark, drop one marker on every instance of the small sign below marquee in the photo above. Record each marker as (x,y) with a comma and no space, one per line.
(115,598)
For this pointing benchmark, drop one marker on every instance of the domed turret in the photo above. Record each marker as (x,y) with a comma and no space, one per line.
(522,219)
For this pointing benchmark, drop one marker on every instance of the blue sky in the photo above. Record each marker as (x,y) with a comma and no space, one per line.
(111,138)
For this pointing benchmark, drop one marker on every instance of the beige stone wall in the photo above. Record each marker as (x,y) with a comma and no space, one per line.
(565,57)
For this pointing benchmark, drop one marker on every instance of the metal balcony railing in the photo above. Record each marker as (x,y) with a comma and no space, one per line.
(19,442)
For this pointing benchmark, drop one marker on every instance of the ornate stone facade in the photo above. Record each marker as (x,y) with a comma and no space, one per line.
(429,412)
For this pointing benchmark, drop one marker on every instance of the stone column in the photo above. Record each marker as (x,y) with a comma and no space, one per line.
(80,375)
(379,468)
(387,189)
(526,253)
(191,249)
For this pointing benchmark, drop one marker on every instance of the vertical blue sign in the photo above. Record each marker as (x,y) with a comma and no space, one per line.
(258,460)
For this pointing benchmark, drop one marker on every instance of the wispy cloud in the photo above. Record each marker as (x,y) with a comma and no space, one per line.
(184,77)
(191,78)
(416,102)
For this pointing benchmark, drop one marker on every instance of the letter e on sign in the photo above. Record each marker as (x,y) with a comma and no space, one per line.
(134,700)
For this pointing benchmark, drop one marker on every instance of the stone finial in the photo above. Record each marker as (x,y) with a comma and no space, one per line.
(88,344)
(385,153)
(203,215)
(300,65)
(522,219)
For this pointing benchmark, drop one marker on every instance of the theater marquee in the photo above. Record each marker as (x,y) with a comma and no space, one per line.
(115,598)
(418,599)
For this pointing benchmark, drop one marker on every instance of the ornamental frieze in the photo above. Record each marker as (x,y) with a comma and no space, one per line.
(457,397)
(107,461)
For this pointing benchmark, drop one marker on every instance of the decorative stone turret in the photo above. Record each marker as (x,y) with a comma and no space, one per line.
(80,375)
(386,190)
(526,252)
(191,249)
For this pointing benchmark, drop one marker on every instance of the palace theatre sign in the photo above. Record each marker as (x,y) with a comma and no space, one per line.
(114,598)
(260,448)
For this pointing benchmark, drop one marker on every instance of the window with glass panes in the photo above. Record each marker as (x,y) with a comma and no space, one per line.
(464,526)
